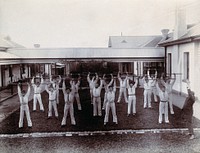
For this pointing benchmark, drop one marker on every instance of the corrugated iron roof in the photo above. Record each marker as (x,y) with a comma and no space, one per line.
(7,43)
(87,52)
(4,43)
(154,42)
(134,41)
(193,31)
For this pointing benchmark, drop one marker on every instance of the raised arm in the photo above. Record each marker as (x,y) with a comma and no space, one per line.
(128,84)
(143,79)
(88,78)
(148,74)
(158,88)
(136,82)
(19,90)
(162,81)
(63,87)
(118,76)
(101,83)
(71,82)
(50,79)
(154,79)
(42,80)
(126,78)
(173,80)
(156,74)
(97,78)
(104,80)
(60,79)
(110,83)
(104,76)
(32,81)
(114,88)
(188,84)
(78,82)
(29,90)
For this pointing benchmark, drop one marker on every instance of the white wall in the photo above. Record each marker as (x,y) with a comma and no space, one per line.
(197,69)
(175,66)
(0,77)
(177,52)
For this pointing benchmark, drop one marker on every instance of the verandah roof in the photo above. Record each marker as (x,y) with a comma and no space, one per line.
(88,53)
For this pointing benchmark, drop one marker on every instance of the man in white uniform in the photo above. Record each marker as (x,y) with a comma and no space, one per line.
(52,100)
(37,96)
(24,108)
(92,83)
(163,106)
(75,88)
(106,85)
(110,103)
(169,85)
(69,99)
(153,84)
(56,83)
(96,94)
(131,96)
(147,92)
(122,89)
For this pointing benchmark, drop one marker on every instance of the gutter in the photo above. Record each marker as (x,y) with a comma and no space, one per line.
(180,41)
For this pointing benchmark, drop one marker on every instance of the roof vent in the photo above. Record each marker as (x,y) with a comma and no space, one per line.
(36,45)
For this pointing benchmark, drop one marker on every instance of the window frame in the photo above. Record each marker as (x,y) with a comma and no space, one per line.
(186,65)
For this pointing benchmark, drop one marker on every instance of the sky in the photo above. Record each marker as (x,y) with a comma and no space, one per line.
(87,23)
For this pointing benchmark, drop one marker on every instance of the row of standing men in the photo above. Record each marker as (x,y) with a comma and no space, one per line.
(151,84)
(127,83)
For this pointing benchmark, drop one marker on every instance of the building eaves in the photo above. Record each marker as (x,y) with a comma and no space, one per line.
(192,34)
(180,41)
(6,55)
(81,53)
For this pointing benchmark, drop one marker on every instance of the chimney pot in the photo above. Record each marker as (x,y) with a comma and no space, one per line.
(165,33)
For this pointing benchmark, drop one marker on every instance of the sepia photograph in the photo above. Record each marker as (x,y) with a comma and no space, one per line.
(104,76)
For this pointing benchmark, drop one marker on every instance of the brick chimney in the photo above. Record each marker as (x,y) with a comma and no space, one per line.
(180,22)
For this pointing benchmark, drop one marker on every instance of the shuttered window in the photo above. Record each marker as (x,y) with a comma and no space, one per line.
(186,65)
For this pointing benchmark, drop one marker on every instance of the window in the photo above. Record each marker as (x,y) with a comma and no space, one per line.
(186,65)
(169,64)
